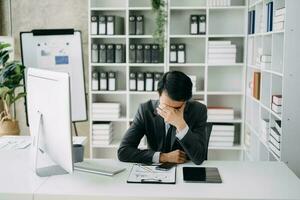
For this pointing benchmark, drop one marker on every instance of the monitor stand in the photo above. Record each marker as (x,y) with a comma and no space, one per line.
(48,170)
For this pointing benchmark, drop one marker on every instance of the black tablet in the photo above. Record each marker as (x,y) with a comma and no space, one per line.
(201,174)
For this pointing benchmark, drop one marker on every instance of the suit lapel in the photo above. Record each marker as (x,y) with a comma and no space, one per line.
(159,131)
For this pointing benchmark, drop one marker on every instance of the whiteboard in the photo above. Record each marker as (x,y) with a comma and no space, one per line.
(58,50)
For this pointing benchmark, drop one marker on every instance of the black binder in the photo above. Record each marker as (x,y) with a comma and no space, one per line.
(132,24)
(114,25)
(139,53)
(173,53)
(95,81)
(149,81)
(94,24)
(147,53)
(202,24)
(103,81)
(102,53)
(140,81)
(95,53)
(140,25)
(132,81)
(112,81)
(181,57)
(132,53)
(119,53)
(110,53)
(155,53)
(102,25)
(194,24)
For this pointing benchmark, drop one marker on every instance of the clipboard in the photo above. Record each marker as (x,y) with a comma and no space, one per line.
(149,174)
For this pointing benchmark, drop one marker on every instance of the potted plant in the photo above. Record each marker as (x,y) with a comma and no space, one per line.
(11,74)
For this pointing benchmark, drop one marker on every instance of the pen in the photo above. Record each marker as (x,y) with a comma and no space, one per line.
(146,168)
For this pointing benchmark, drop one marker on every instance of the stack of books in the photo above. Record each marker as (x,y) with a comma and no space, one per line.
(265,129)
(256,85)
(217,3)
(102,134)
(222,135)
(276,103)
(221,52)
(220,113)
(275,138)
(105,111)
(263,60)
(279,19)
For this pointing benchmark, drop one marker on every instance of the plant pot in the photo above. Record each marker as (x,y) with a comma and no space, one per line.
(9,127)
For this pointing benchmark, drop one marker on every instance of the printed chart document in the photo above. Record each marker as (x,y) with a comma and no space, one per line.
(149,174)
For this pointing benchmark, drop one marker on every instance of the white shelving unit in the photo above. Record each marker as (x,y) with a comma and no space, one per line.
(217,85)
(276,79)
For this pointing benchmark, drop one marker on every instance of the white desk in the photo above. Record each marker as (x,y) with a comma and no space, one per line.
(17,179)
(241,180)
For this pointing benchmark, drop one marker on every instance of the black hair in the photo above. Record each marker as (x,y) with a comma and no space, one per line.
(177,85)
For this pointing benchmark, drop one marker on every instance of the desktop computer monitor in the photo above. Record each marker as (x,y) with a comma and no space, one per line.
(49,112)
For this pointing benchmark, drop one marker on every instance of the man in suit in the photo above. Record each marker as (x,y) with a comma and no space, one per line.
(174,125)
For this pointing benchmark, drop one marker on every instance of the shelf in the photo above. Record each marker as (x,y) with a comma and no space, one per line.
(235,147)
(256,3)
(188,8)
(266,108)
(261,140)
(271,111)
(226,35)
(228,8)
(108,64)
(254,67)
(114,144)
(257,135)
(188,36)
(272,72)
(140,8)
(109,92)
(140,36)
(224,93)
(143,92)
(254,99)
(266,33)
(237,120)
(187,64)
(227,65)
(199,93)
(108,9)
(146,64)
(108,36)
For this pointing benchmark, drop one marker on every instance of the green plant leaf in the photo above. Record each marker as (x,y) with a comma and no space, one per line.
(19,96)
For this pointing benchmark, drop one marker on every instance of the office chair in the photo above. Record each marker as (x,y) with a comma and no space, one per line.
(208,133)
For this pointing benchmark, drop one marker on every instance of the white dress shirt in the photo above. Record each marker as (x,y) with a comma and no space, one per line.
(179,134)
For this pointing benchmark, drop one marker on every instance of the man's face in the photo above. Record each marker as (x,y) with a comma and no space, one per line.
(165,100)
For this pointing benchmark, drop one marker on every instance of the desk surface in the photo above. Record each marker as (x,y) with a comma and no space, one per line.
(241,180)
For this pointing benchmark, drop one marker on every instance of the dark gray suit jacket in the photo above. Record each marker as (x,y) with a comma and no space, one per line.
(148,122)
